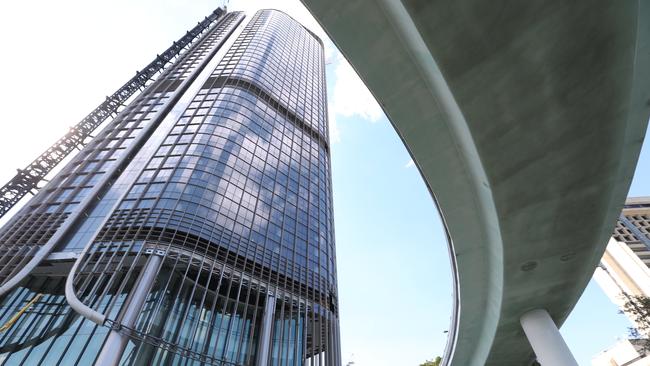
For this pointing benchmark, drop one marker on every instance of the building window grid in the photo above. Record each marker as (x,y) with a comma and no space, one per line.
(306,167)
(623,234)
(151,98)
(303,168)
(51,200)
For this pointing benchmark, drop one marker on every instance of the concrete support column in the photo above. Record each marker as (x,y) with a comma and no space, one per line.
(114,346)
(546,340)
(265,332)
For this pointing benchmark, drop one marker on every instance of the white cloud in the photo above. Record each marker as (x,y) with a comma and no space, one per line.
(335,133)
(409,164)
(350,97)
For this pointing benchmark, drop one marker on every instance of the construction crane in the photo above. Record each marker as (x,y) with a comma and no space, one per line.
(26,180)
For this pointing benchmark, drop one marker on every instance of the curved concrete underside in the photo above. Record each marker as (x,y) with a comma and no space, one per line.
(525,119)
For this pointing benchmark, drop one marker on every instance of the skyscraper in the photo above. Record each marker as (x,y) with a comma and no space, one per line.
(624,271)
(197,227)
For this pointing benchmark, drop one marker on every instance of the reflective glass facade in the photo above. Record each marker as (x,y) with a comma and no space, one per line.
(197,227)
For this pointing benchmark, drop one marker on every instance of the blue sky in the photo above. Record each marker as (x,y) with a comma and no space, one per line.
(394,275)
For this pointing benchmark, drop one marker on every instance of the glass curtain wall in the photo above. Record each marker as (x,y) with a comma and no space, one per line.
(233,194)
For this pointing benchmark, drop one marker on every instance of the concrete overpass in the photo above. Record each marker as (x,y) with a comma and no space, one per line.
(525,119)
